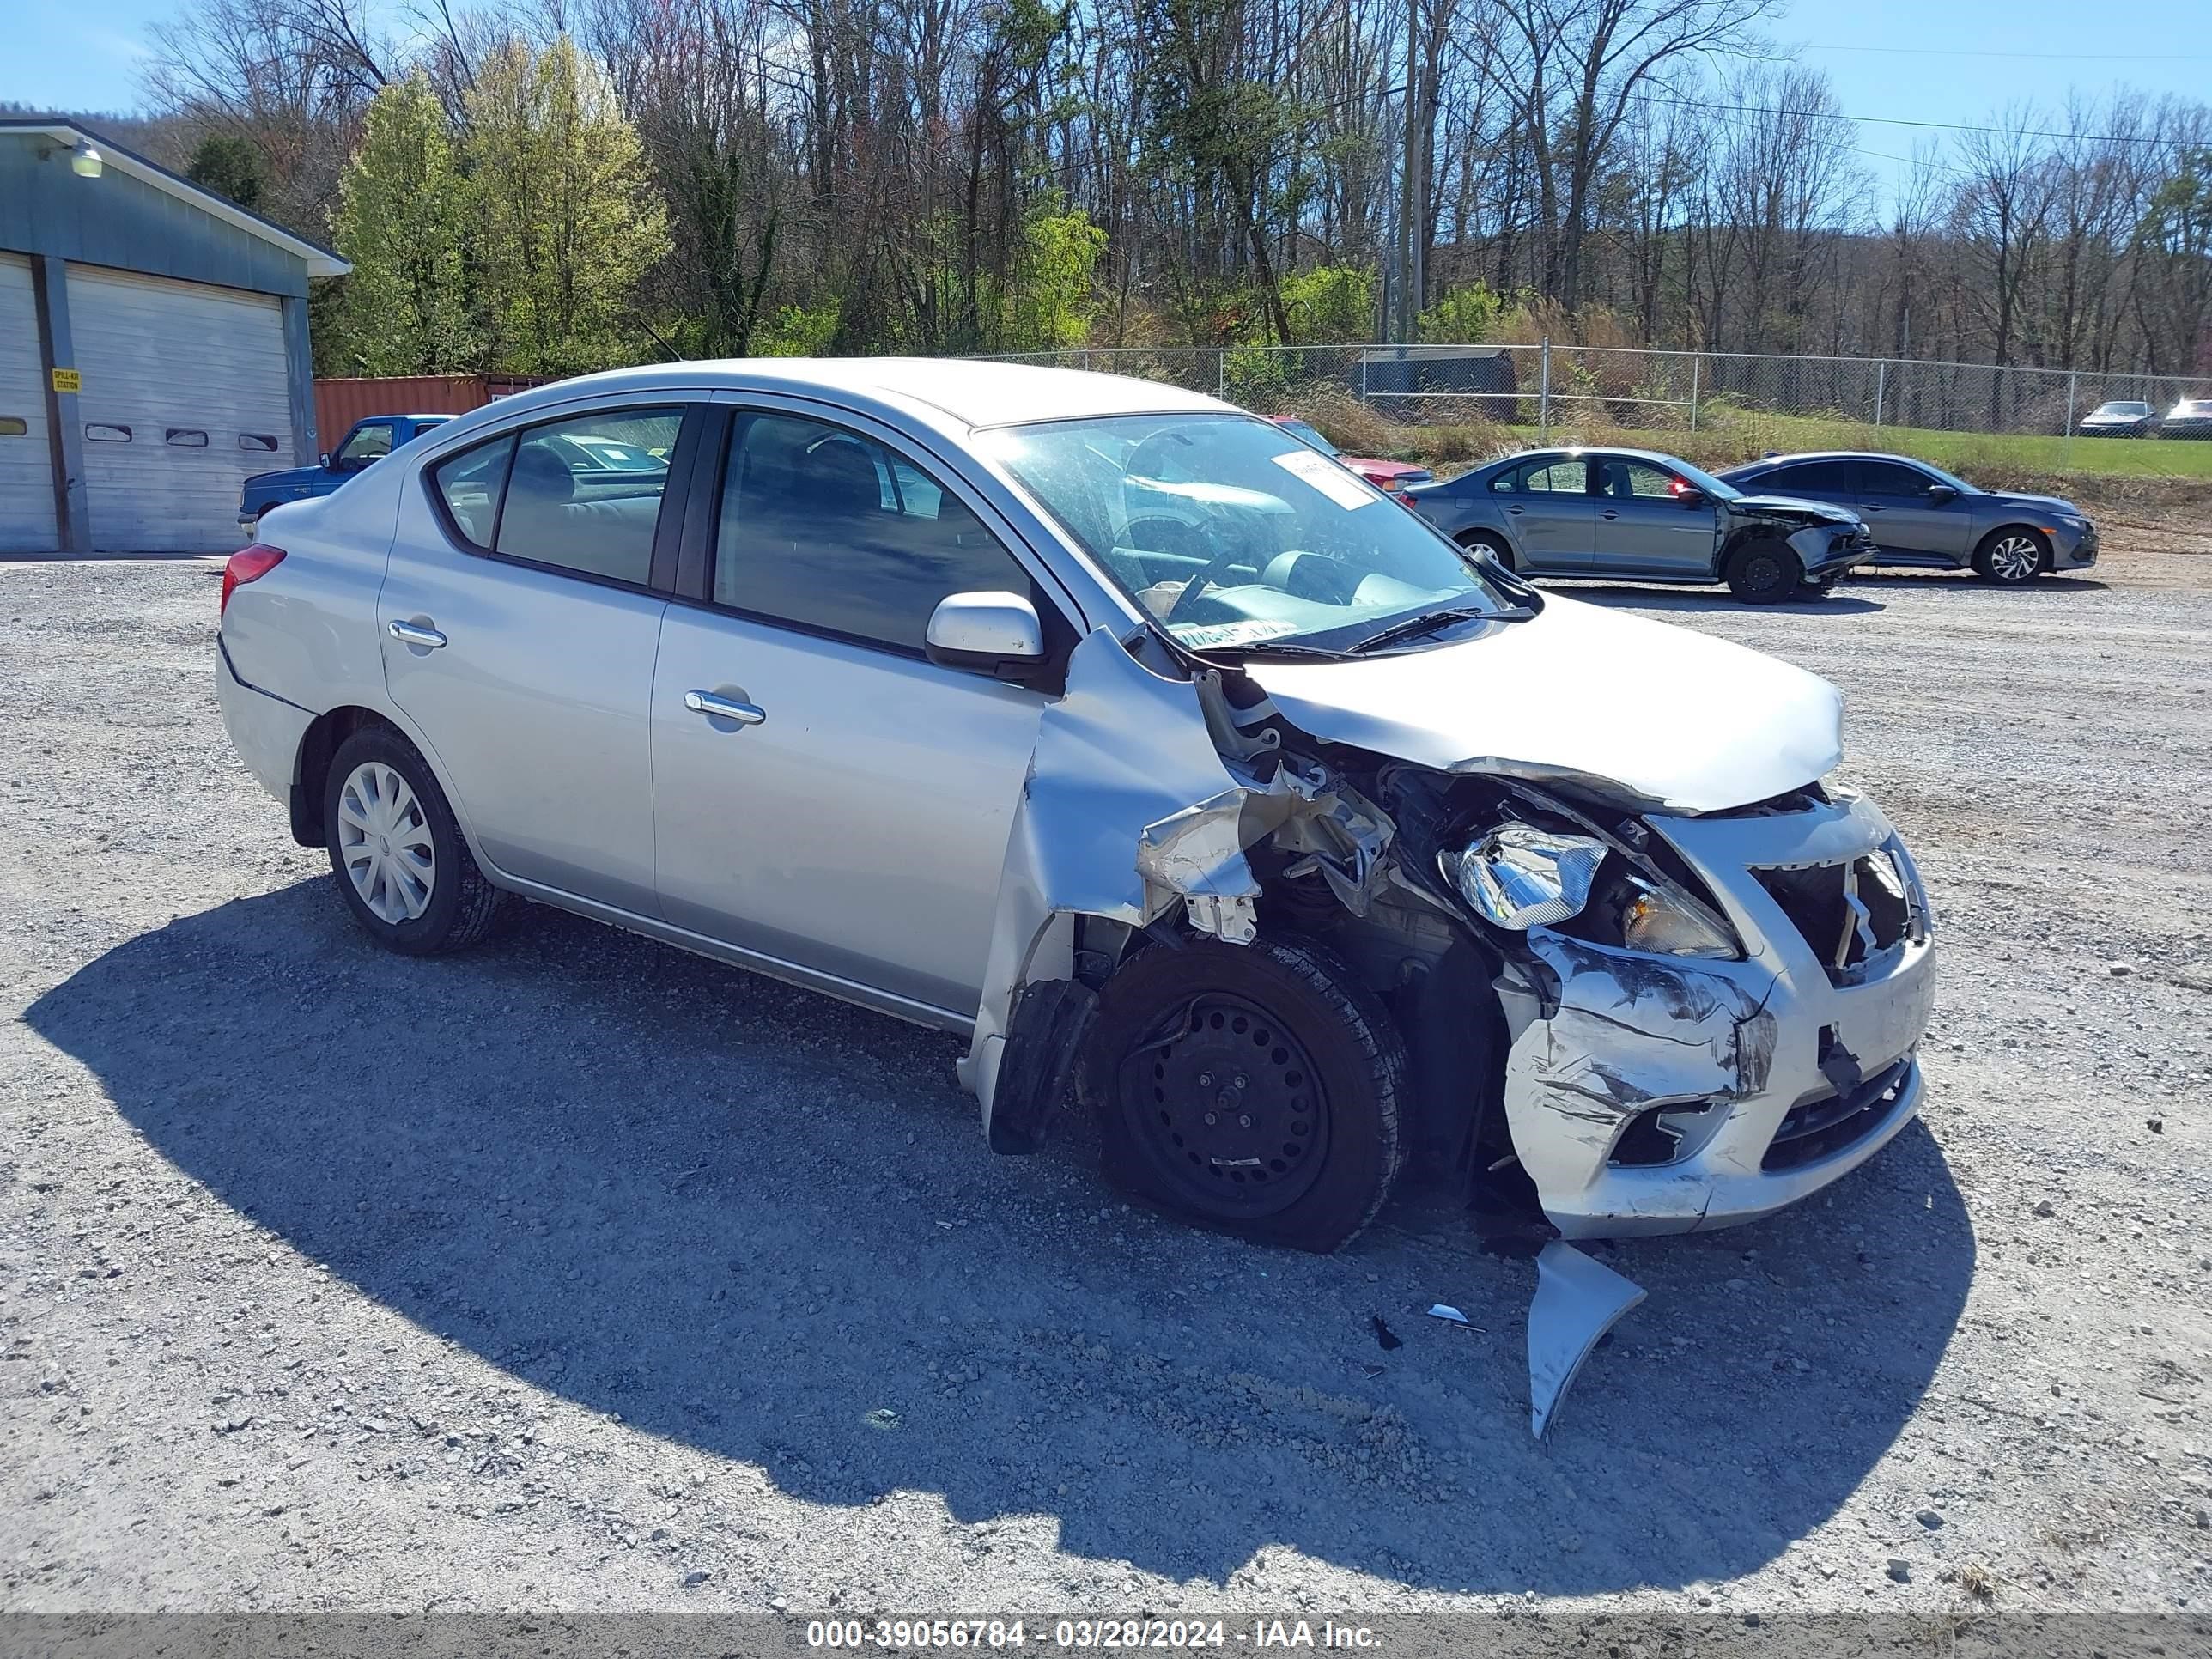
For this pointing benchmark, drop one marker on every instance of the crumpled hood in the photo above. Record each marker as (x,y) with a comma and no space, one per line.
(1795,507)
(1652,715)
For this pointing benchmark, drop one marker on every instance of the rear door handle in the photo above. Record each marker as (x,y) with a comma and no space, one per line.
(724,708)
(1610,513)
(1515,511)
(407,633)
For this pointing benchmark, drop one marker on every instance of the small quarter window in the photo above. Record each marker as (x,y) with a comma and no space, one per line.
(260,441)
(107,434)
(14,426)
(186,437)
(470,483)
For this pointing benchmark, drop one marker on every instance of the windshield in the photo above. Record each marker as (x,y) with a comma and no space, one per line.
(1232,534)
(1698,478)
(2125,409)
(1942,476)
(1311,434)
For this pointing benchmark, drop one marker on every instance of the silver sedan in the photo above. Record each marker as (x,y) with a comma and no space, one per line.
(1117,731)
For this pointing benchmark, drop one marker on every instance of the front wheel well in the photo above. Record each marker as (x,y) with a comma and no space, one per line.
(310,771)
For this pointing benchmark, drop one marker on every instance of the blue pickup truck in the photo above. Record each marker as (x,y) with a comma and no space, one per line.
(371,440)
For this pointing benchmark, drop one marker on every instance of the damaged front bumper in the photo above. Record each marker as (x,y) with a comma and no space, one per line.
(1653,1094)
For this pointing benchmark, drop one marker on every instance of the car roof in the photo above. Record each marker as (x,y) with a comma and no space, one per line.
(965,392)
(1827,455)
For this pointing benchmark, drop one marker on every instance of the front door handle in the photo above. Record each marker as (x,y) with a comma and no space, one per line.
(407,633)
(1610,513)
(724,708)
(1870,510)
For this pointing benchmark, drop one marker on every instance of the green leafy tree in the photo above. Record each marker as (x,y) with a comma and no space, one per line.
(229,166)
(401,221)
(1051,296)
(568,222)
(1330,304)
(1463,316)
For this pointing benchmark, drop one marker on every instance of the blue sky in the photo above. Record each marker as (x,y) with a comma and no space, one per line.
(1934,62)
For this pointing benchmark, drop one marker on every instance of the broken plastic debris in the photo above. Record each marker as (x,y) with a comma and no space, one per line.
(1444,1310)
(1578,1300)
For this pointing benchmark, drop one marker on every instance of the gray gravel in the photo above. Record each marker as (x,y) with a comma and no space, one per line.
(580,1274)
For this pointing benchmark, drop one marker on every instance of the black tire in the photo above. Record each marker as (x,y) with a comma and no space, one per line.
(1762,571)
(1484,541)
(2004,556)
(1308,1074)
(460,906)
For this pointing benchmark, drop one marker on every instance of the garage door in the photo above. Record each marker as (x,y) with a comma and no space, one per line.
(27,473)
(183,399)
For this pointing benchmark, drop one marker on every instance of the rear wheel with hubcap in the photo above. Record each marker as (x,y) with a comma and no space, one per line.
(1251,1088)
(402,865)
(2012,557)
(1763,572)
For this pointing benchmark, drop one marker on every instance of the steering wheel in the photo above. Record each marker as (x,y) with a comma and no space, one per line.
(1198,584)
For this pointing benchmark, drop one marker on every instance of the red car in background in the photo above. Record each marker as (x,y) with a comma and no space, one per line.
(1389,476)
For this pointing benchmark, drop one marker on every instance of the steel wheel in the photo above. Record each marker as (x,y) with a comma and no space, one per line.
(385,844)
(1229,1107)
(2013,556)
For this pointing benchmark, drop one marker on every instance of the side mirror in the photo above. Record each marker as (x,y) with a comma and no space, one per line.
(324,460)
(1690,495)
(1941,493)
(994,634)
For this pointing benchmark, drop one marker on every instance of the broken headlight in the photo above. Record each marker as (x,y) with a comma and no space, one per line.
(1655,922)
(1520,877)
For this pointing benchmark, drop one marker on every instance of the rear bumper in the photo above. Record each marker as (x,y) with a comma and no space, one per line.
(265,730)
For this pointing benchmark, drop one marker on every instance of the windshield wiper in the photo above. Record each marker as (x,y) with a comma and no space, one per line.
(1268,648)
(1409,626)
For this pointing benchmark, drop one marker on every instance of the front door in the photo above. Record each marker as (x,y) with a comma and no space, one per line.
(526,633)
(1643,527)
(1894,500)
(1547,504)
(825,796)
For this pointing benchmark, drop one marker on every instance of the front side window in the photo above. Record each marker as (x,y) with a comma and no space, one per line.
(369,443)
(1629,480)
(564,507)
(1229,533)
(1887,479)
(828,530)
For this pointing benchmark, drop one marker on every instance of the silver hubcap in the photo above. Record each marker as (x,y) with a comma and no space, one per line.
(384,842)
(2015,559)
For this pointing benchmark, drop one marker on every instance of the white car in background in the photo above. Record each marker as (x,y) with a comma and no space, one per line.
(1126,735)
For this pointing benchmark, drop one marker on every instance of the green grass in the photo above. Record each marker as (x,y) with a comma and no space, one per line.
(1726,437)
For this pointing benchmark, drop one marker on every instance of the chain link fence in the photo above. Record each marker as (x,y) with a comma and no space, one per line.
(1730,401)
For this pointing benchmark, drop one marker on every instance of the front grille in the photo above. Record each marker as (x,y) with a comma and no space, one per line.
(1849,913)
(1812,1129)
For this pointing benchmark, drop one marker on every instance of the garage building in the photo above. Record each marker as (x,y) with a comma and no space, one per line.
(153,349)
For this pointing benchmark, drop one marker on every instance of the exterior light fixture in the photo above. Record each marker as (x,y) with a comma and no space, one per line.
(85,162)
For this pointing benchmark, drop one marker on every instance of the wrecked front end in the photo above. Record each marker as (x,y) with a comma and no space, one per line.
(1622,1011)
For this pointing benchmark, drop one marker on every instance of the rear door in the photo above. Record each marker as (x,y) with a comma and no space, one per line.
(1643,524)
(519,620)
(1549,512)
(1894,501)
(853,820)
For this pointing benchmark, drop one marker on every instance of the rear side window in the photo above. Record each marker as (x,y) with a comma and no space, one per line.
(1811,478)
(826,529)
(470,482)
(1568,476)
(585,495)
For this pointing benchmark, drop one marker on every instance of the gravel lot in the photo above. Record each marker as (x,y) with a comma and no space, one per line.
(580,1274)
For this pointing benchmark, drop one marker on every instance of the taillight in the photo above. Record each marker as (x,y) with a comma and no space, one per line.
(248,564)
(1404,498)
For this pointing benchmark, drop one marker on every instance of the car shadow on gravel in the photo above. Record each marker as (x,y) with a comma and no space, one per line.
(1702,599)
(758,1224)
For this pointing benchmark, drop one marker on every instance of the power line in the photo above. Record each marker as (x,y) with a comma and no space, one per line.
(1896,121)
(2051,57)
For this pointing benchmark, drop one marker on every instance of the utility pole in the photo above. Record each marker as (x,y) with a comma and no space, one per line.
(1411,208)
